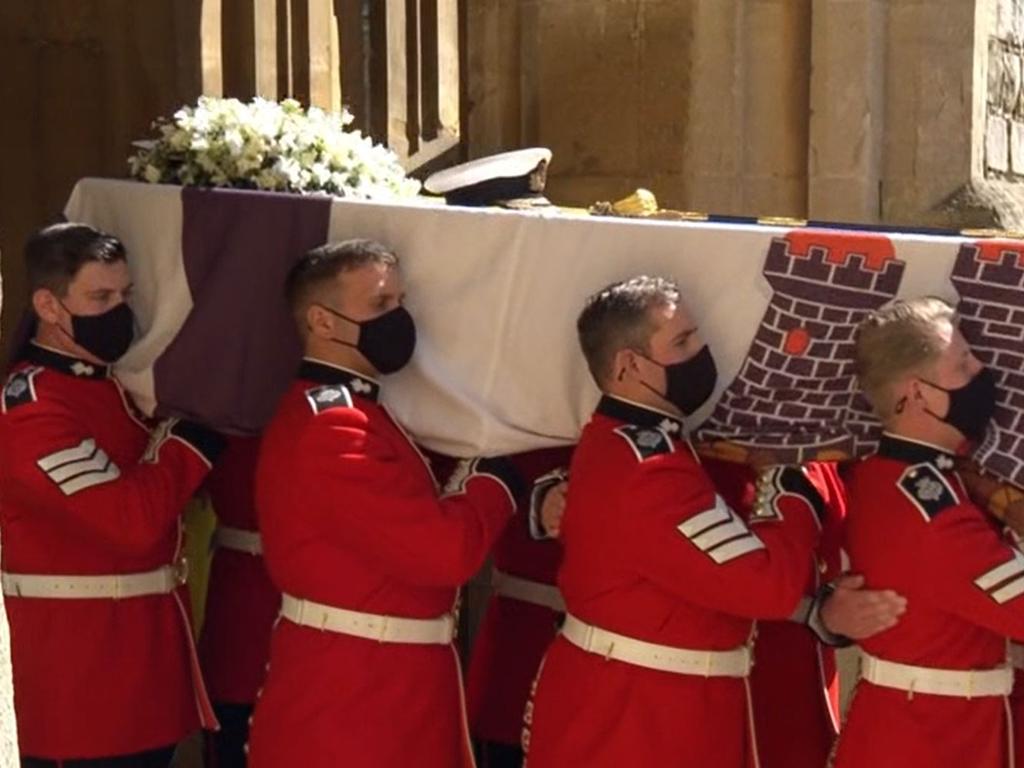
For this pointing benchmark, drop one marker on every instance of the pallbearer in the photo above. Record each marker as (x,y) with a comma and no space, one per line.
(90,508)
(933,690)
(368,556)
(661,578)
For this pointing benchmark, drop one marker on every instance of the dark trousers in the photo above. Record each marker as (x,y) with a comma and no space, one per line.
(154,758)
(492,754)
(226,747)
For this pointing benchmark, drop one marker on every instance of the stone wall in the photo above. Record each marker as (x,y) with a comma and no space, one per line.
(704,102)
(1004,115)
(896,111)
(83,78)
(849,110)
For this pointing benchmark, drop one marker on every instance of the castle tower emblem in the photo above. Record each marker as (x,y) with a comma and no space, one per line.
(796,396)
(989,276)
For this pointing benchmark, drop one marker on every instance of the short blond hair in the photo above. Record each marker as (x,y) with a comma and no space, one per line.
(902,338)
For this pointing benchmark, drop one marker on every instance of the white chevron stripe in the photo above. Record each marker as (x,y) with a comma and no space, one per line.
(717,514)
(83,450)
(734,549)
(1002,572)
(1009,591)
(68,471)
(720,533)
(82,482)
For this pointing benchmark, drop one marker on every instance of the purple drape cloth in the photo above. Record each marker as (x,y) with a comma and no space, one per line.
(238,349)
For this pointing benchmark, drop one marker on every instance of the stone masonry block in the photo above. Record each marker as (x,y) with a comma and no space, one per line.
(995,71)
(1017,147)
(997,144)
(1009,93)
(1006,13)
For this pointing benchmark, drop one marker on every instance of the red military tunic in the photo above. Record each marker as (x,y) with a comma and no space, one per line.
(241,601)
(81,494)
(514,633)
(652,552)
(911,528)
(1017,701)
(794,683)
(351,518)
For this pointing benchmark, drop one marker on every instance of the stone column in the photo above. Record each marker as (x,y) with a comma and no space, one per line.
(713,111)
(703,101)
(604,85)
(930,108)
(847,107)
(744,117)
(774,84)
(493,108)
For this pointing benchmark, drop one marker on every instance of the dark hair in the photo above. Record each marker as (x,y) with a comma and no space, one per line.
(618,317)
(55,254)
(325,262)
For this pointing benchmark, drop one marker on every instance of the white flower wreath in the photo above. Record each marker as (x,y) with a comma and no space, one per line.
(272,146)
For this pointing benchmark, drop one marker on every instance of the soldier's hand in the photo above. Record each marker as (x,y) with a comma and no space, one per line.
(857,613)
(552,509)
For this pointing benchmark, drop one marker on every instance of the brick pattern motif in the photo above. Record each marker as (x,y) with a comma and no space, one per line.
(796,395)
(989,276)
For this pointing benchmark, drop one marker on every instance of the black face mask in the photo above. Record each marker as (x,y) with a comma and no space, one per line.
(106,336)
(690,383)
(971,406)
(387,342)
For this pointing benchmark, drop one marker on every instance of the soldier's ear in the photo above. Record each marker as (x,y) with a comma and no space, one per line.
(46,305)
(912,395)
(623,363)
(319,322)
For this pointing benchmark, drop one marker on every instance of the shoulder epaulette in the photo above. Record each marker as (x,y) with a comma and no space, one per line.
(646,442)
(330,396)
(927,489)
(775,483)
(20,388)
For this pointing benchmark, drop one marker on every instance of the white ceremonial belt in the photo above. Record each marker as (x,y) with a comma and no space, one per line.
(371,626)
(527,591)
(682,661)
(238,539)
(1016,655)
(963,683)
(115,586)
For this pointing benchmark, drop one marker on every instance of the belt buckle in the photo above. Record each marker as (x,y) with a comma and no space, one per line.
(604,649)
(180,571)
